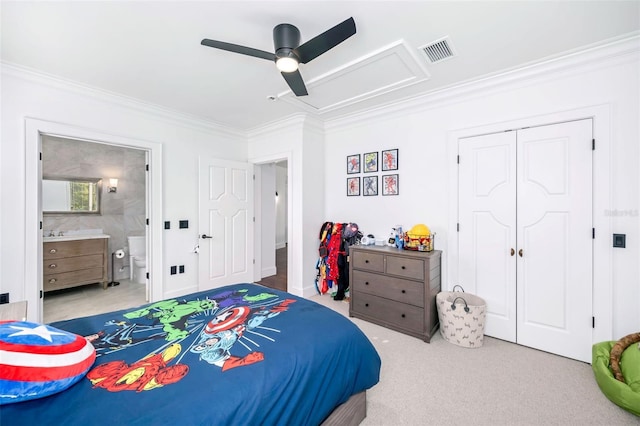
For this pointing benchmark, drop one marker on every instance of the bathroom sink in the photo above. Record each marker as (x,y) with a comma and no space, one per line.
(74,237)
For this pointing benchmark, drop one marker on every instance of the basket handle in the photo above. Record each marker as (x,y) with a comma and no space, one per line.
(457,285)
(453,304)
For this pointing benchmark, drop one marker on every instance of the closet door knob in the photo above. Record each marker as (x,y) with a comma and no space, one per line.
(513,252)
(520,252)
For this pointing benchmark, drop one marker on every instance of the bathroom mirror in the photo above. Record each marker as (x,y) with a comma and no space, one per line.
(71,195)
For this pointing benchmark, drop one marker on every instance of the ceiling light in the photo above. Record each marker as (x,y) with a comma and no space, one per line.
(287,64)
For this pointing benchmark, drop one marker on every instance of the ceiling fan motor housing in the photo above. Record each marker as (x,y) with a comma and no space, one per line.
(286,38)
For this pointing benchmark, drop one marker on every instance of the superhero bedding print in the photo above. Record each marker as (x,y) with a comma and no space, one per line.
(241,354)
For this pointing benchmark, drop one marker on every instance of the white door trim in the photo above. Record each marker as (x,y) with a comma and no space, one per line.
(602,273)
(34,129)
(287,155)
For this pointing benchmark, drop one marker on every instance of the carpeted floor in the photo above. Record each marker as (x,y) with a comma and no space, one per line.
(501,383)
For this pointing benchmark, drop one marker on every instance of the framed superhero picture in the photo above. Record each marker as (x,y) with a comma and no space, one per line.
(370,185)
(389,184)
(389,160)
(370,162)
(353,164)
(353,186)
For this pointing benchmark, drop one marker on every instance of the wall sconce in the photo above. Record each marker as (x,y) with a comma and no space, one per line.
(113,185)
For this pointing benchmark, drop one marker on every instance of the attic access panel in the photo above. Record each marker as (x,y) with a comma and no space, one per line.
(390,68)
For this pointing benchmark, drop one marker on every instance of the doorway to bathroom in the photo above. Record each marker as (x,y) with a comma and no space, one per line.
(122,214)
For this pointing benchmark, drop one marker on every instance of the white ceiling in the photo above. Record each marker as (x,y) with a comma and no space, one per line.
(150,50)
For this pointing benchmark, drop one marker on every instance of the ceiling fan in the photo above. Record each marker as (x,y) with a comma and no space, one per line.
(288,51)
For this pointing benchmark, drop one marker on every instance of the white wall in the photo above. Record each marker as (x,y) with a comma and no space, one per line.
(422,131)
(183,139)
(300,141)
(268,219)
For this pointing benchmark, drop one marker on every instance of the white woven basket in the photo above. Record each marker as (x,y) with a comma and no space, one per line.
(462,317)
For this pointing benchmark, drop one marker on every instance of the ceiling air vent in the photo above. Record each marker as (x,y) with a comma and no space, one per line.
(439,50)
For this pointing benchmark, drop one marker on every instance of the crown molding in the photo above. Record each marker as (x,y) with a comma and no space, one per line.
(612,52)
(149,109)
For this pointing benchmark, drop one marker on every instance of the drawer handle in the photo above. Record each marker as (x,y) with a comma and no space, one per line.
(366,283)
(404,291)
(52,266)
(366,304)
(53,251)
(402,315)
(403,267)
(52,280)
(366,261)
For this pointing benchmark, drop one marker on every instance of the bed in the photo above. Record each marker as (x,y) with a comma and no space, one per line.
(241,354)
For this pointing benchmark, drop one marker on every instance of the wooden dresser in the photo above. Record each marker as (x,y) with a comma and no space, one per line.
(395,288)
(75,262)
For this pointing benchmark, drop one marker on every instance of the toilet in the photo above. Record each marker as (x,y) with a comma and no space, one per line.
(137,259)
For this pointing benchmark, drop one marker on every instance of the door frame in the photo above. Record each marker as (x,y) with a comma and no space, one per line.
(602,268)
(258,213)
(34,129)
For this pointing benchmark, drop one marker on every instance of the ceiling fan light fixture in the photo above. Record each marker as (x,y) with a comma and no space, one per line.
(287,64)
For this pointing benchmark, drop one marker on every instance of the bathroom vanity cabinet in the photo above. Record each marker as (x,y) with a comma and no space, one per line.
(75,262)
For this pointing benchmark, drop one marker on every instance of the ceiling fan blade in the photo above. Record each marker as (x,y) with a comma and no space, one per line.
(239,49)
(325,41)
(295,82)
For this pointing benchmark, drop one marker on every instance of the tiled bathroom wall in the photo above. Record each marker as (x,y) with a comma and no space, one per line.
(122,212)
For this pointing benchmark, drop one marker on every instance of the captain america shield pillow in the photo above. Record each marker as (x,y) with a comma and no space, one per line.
(38,360)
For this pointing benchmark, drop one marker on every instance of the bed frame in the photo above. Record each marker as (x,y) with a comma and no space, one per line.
(351,413)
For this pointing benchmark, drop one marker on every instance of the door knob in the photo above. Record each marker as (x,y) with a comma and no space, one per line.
(205,236)
(520,252)
(513,252)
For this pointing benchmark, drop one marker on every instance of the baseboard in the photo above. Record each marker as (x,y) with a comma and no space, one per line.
(267,272)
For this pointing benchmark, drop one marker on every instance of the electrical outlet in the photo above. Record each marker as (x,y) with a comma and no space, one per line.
(4,298)
(174,270)
(181,269)
(184,224)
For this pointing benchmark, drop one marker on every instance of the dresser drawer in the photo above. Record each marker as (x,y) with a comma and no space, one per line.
(405,267)
(59,249)
(55,266)
(368,261)
(71,279)
(385,311)
(400,290)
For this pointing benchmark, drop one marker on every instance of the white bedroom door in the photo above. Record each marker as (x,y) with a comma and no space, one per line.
(555,238)
(487,230)
(226,223)
(525,238)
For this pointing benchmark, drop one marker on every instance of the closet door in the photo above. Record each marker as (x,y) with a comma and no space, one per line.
(487,227)
(525,234)
(554,217)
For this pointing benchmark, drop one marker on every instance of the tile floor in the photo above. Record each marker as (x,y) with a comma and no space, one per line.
(92,299)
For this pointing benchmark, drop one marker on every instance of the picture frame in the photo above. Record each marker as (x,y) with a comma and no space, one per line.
(390,184)
(353,164)
(369,185)
(370,162)
(353,186)
(389,159)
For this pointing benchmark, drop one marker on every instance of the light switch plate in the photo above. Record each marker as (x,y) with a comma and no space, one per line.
(620,240)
